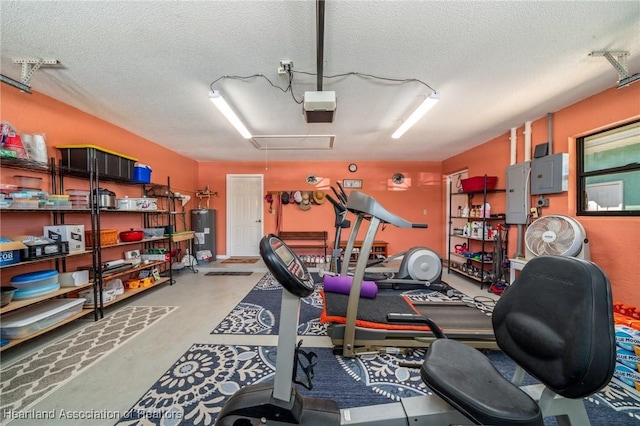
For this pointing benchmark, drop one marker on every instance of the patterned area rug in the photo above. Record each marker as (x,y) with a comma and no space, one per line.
(31,379)
(197,385)
(259,311)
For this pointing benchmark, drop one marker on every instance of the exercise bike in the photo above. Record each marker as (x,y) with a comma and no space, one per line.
(420,268)
(573,356)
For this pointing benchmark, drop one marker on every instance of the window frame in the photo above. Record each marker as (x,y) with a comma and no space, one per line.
(581,176)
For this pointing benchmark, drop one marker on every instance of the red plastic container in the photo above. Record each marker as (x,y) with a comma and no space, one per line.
(476,183)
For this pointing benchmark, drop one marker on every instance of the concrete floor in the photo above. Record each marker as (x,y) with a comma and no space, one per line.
(119,379)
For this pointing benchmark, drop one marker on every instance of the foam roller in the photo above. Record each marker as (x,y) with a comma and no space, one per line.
(342,284)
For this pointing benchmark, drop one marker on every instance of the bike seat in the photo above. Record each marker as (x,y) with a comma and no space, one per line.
(556,322)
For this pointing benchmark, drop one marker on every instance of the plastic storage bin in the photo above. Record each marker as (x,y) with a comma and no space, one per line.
(32,293)
(153,232)
(110,164)
(28,182)
(107,296)
(79,198)
(35,280)
(28,321)
(38,250)
(115,285)
(203,257)
(74,279)
(476,183)
(145,203)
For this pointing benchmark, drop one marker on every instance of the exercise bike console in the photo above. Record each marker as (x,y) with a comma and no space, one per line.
(286,266)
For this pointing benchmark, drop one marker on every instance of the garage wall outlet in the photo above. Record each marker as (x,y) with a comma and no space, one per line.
(285,65)
(542,202)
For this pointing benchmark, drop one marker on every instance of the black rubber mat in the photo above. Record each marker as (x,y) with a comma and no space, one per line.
(458,317)
(243,273)
(371,310)
(457,320)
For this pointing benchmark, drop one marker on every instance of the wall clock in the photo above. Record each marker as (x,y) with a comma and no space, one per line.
(353,167)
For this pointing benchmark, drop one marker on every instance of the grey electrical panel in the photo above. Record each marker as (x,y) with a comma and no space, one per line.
(518,193)
(550,174)
(203,222)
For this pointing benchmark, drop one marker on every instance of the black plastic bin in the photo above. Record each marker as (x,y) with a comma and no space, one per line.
(110,164)
(38,251)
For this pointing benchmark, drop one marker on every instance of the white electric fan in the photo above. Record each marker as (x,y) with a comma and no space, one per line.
(556,235)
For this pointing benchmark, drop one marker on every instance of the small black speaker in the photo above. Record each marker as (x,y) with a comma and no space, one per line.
(541,150)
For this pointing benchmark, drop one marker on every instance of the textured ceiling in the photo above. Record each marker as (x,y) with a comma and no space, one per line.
(147,66)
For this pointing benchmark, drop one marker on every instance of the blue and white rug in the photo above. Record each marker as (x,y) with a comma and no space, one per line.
(196,386)
(259,311)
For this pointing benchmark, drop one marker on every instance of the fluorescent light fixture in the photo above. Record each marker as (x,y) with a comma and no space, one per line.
(425,106)
(225,109)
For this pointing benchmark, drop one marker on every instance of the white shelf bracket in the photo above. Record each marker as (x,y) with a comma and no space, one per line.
(30,66)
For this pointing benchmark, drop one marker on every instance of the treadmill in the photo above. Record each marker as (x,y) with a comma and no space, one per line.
(406,327)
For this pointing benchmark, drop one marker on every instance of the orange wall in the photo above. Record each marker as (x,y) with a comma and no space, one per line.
(422,192)
(613,240)
(62,124)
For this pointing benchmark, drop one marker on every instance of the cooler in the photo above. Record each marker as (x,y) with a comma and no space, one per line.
(142,173)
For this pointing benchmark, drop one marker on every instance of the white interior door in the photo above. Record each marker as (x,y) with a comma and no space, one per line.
(244,214)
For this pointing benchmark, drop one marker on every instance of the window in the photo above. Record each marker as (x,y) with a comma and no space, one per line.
(609,172)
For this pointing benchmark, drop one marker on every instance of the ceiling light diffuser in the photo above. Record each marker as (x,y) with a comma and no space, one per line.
(225,109)
(425,106)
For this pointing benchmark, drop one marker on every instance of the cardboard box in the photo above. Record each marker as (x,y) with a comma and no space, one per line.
(73,234)
(10,251)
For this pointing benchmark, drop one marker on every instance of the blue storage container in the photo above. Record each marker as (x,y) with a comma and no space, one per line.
(142,173)
(36,292)
(35,280)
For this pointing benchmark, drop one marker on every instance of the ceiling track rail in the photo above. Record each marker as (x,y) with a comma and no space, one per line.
(29,68)
(619,62)
(320,42)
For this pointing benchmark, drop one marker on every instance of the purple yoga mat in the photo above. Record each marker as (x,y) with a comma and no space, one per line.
(342,284)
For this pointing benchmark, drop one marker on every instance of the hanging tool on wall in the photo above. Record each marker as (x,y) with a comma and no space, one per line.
(205,193)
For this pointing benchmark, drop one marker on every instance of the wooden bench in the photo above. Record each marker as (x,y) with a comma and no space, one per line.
(304,239)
